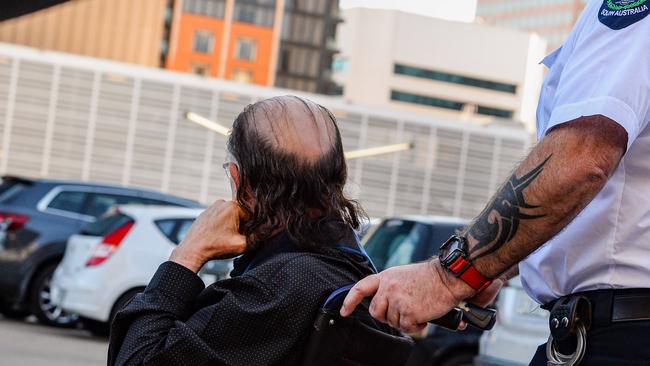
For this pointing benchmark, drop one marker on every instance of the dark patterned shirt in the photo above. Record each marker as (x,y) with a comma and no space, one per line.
(260,316)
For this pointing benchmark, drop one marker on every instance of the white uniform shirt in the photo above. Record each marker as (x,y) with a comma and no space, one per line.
(603,68)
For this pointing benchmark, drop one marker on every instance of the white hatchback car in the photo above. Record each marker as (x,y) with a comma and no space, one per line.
(114,258)
(520,328)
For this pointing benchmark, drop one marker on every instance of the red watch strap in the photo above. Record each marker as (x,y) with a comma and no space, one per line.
(466,271)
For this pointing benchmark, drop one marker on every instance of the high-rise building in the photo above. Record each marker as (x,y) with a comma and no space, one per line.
(288,43)
(307,45)
(477,72)
(552,19)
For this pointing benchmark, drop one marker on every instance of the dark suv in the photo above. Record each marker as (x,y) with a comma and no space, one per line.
(36,219)
(404,240)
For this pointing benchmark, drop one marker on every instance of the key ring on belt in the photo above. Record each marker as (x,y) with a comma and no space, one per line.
(570,317)
(556,358)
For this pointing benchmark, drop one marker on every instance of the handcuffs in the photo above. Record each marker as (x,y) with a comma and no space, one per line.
(570,317)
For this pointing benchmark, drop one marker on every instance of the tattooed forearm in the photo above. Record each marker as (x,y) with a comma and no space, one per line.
(499,221)
(558,178)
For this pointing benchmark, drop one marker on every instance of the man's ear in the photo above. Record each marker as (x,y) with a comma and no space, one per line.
(234,173)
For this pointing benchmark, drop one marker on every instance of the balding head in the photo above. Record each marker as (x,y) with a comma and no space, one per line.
(291,170)
(293,125)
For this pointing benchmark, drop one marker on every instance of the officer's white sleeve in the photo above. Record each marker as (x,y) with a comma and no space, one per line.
(608,73)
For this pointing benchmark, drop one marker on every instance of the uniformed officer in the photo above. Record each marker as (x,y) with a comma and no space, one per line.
(575,214)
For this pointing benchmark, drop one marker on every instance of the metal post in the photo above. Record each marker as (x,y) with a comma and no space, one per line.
(392,193)
(51,116)
(9,114)
(130,137)
(171,137)
(92,121)
(363,136)
(209,147)
(428,173)
(460,182)
(494,174)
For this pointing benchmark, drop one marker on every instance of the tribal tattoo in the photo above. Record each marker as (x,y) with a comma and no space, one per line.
(499,222)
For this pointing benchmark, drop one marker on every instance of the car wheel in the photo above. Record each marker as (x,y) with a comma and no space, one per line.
(41,305)
(463,359)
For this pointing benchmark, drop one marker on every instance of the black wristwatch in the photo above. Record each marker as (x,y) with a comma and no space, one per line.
(454,257)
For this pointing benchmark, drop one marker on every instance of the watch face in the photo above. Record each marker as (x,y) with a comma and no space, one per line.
(450,250)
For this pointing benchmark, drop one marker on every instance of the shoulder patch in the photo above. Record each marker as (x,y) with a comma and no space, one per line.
(618,14)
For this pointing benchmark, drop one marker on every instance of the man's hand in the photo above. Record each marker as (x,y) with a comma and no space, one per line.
(407,297)
(214,235)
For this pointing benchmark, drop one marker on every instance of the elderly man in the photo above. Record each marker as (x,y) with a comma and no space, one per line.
(289,217)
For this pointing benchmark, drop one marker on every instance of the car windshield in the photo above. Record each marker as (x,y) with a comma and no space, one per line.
(396,241)
(105,224)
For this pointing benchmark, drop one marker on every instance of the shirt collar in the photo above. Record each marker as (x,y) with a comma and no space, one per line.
(278,244)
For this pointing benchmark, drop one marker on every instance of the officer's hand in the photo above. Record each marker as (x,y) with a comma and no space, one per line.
(407,297)
(214,235)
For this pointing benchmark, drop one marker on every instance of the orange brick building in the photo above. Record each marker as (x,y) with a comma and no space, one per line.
(284,43)
(213,41)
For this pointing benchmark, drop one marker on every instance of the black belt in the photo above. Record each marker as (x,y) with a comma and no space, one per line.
(615,306)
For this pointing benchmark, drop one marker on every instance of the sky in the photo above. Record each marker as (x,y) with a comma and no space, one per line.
(461,10)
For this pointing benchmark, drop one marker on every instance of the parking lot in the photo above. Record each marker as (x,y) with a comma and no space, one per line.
(30,344)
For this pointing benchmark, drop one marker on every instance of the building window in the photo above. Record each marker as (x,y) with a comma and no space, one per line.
(258,13)
(203,42)
(336,90)
(210,8)
(340,64)
(425,100)
(200,69)
(496,112)
(242,76)
(454,79)
(245,49)
(246,14)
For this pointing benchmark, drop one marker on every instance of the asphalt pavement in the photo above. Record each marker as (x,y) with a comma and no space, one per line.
(26,343)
